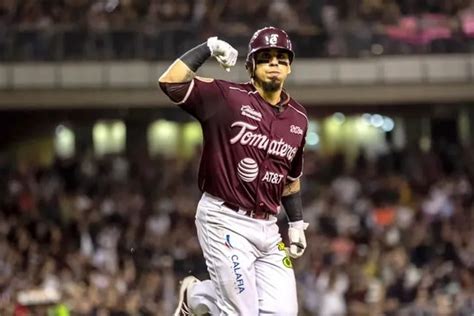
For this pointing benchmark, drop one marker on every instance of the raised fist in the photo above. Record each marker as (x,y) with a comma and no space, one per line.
(225,54)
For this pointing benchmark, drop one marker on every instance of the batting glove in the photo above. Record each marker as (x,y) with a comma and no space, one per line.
(297,238)
(225,54)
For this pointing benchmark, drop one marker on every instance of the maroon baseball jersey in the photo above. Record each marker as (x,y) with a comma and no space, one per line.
(250,147)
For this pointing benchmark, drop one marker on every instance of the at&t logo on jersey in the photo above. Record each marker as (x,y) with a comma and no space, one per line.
(239,280)
(246,137)
(247,169)
(272,177)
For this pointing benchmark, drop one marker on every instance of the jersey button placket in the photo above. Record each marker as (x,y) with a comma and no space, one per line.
(263,168)
(265,163)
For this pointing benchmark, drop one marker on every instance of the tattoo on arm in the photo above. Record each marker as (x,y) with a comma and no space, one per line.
(291,187)
(178,72)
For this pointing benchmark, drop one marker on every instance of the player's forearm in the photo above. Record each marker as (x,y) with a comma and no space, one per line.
(293,207)
(185,67)
(291,201)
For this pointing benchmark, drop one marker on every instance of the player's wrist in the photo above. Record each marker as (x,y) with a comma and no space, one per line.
(298,225)
(213,45)
(195,57)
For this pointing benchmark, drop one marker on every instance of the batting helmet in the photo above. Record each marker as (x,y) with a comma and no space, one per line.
(268,37)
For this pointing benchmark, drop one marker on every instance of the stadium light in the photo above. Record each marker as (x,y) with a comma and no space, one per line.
(388,124)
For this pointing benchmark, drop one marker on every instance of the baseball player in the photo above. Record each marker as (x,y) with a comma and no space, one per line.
(252,159)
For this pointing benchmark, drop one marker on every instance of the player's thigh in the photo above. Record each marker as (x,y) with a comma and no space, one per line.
(229,260)
(276,284)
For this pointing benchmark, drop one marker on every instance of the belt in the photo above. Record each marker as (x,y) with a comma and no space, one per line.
(251,214)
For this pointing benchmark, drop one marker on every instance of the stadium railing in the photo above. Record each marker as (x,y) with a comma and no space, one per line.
(157,42)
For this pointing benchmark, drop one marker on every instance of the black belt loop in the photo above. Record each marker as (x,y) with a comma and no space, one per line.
(233,207)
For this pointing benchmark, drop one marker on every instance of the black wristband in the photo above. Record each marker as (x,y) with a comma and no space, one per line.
(293,206)
(196,56)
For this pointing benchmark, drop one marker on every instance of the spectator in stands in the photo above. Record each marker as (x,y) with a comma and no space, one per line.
(94,229)
(131,28)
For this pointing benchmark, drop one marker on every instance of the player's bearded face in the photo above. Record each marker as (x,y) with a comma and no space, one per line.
(272,68)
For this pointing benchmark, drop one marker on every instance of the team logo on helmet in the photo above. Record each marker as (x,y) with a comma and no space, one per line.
(271,39)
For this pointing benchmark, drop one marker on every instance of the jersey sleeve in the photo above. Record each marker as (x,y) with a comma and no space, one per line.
(297,163)
(199,97)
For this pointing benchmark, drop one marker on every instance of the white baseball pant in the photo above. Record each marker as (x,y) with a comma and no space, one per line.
(250,271)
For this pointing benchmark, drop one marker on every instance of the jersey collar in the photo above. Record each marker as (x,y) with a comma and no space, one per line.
(284,98)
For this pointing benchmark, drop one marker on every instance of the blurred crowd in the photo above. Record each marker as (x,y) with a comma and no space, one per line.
(393,235)
(154,29)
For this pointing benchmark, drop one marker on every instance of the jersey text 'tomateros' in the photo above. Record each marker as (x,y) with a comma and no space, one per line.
(250,147)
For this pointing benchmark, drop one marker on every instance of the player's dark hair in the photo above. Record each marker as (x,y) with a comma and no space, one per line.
(195,57)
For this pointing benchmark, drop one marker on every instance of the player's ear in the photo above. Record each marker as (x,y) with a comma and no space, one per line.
(289,69)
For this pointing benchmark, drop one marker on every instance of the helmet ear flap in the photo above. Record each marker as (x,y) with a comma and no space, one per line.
(250,65)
